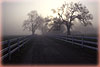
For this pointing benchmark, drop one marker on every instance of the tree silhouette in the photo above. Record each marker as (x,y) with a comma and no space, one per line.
(33,21)
(68,12)
(55,25)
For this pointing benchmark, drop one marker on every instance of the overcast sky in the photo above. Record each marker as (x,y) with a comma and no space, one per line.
(14,12)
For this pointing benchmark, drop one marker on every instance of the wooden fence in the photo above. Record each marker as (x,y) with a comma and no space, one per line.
(12,45)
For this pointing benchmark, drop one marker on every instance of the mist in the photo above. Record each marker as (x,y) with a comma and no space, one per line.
(14,14)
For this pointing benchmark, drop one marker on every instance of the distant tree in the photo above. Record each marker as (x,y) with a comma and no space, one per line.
(33,21)
(68,12)
(40,23)
(55,25)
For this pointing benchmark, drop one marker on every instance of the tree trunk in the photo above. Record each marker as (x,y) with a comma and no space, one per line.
(32,30)
(68,30)
(32,33)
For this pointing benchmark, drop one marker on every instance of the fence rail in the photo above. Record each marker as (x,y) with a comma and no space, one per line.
(12,47)
(84,41)
(15,44)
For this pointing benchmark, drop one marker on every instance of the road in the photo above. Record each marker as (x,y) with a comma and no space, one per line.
(45,50)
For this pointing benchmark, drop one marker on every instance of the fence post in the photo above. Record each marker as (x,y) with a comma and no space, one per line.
(82,41)
(66,38)
(9,49)
(18,43)
(72,39)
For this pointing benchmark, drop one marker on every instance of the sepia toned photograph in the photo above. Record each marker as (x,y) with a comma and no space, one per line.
(49,32)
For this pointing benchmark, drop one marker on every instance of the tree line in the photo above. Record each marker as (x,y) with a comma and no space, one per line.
(64,15)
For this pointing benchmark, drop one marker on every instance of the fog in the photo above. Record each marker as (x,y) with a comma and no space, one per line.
(15,12)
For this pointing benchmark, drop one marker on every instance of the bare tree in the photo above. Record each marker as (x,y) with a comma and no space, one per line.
(55,26)
(68,12)
(40,23)
(33,21)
